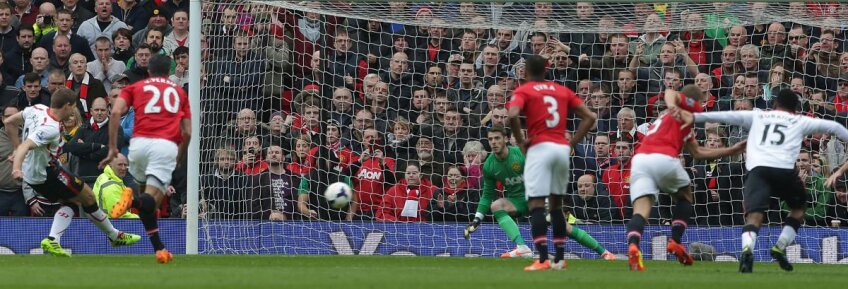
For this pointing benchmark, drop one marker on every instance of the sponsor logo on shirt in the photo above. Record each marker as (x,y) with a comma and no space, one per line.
(516,180)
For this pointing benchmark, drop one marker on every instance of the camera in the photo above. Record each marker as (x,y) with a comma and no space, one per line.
(47,20)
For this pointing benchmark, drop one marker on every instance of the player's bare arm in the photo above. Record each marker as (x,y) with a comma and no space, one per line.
(831,180)
(702,153)
(119,107)
(672,98)
(840,132)
(12,125)
(19,155)
(185,128)
(586,123)
(515,126)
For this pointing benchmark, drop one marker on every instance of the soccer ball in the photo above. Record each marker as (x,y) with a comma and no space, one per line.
(338,195)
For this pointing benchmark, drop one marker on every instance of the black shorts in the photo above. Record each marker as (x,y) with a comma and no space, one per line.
(60,184)
(765,182)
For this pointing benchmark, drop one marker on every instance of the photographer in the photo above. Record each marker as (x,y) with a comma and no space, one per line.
(252,162)
(44,22)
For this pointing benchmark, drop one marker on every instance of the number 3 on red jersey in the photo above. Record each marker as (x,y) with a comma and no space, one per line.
(552,110)
(170,100)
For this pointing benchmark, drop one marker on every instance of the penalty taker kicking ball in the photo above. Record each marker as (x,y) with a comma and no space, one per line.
(338,195)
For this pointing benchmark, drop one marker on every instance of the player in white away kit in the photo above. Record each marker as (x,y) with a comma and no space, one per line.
(160,138)
(774,141)
(35,162)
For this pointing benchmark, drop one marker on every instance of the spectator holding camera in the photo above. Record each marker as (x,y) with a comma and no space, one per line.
(252,162)
(44,22)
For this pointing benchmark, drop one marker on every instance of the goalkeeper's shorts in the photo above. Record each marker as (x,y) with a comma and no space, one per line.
(520,206)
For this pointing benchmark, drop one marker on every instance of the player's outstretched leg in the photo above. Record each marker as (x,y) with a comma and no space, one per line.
(583,238)
(101,220)
(681,214)
(61,221)
(539,229)
(502,209)
(787,236)
(641,208)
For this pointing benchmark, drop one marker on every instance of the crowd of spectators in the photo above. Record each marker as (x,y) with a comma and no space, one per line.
(293,101)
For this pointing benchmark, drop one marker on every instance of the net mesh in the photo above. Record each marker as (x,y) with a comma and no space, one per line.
(319,89)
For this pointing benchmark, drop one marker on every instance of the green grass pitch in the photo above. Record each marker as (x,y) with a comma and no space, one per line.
(102,271)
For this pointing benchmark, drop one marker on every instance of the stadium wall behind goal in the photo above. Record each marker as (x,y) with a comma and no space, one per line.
(22,236)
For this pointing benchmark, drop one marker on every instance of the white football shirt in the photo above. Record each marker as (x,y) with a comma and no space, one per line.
(44,130)
(774,137)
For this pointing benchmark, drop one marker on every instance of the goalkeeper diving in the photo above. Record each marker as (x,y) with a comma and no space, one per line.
(506,165)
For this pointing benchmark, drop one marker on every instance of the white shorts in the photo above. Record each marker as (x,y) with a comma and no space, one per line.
(152,157)
(547,169)
(652,173)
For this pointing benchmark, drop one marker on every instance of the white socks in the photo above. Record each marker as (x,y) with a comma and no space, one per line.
(101,220)
(786,237)
(61,221)
(749,240)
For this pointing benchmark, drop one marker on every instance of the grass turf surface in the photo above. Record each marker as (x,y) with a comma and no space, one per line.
(133,271)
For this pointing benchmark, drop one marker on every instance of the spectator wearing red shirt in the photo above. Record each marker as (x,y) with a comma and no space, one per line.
(617,177)
(25,11)
(299,164)
(725,73)
(701,51)
(309,33)
(840,100)
(252,162)
(407,201)
(308,122)
(373,174)
(332,141)
(705,83)
(438,48)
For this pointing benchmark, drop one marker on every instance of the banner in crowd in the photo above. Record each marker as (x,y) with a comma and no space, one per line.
(22,236)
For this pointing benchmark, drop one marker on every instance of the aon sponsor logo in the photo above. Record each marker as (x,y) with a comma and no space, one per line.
(517,180)
(369,175)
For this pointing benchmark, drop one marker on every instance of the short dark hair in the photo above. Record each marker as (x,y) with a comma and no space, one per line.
(62,97)
(143,46)
(159,65)
(160,30)
(786,99)
(180,51)
(64,11)
(25,27)
(539,33)
(32,77)
(122,32)
(498,129)
(535,66)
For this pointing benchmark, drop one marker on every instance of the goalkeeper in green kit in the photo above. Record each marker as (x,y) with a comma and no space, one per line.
(506,165)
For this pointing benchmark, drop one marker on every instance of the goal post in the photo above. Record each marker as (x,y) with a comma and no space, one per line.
(312,86)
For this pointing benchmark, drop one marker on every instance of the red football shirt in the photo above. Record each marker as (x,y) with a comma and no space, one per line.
(664,135)
(546,106)
(370,183)
(159,105)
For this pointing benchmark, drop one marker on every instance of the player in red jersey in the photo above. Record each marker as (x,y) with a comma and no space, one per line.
(158,144)
(546,172)
(655,167)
